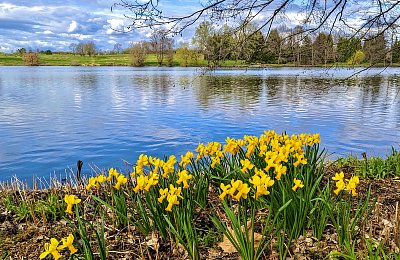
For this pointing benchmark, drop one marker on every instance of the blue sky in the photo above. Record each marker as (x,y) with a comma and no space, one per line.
(55,24)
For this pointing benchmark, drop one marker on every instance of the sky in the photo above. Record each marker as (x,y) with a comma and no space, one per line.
(56,24)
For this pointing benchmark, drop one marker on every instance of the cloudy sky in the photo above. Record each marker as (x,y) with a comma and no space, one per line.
(55,24)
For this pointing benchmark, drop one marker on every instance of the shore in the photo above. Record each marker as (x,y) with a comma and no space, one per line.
(65,59)
(30,217)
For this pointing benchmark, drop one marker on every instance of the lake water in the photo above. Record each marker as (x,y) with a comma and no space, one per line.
(50,117)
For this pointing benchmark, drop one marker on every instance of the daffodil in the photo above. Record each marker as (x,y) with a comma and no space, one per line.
(172,200)
(152,181)
(340,185)
(142,161)
(279,170)
(247,165)
(121,179)
(297,184)
(185,159)
(141,183)
(101,178)
(242,192)
(112,173)
(51,249)
(183,178)
(225,190)
(68,243)
(300,159)
(338,177)
(71,200)
(352,185)
(163,195)
(92,183)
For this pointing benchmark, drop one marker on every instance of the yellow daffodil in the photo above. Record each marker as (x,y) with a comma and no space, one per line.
(152,181)
(112,173)
(279,170)
(225,190)
(185,159)
(142,161)
(68,243)
(163,195)
(51,249)
(92,183)
(101,178)
(172,200)
(338,177)
(71,200)
(121,179)
(340,185)
(352,185)
(300,159)
(183,178)
(297,184)
(247,165)
(141,183)
(242,192)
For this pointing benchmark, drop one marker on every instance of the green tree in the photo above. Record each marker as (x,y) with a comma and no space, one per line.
(347,47)
(357,58)
(396,52)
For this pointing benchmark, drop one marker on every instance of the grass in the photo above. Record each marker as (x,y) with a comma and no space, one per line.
(373,167)
(64,59)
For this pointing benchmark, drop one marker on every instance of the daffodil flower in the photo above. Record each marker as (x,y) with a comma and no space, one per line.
(121,179)
(163,195)
(340,185)
(172,200)
(225,190)
(51,249)
(352,185)
(71,200)
(183,178)
(338,176)
(242,192)
(92,183)
(297,184)
(68,242)
(247,165)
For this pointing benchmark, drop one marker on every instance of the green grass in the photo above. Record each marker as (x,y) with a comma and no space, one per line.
(374,167)
(65,59)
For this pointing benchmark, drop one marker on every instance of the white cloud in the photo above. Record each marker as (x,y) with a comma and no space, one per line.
(72,26)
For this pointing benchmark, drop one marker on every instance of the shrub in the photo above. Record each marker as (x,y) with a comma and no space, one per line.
(31,59)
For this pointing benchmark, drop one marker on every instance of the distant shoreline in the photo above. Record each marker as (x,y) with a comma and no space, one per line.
(103,60)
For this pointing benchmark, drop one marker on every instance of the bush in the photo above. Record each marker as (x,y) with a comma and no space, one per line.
(138,54)
(31,59)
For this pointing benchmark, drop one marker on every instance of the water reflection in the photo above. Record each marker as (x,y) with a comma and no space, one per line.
(51,117)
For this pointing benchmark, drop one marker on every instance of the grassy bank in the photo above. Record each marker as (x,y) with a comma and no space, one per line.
(64,59)
(267,197)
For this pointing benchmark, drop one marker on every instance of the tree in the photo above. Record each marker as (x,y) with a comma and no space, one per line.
(117,48)
(375,49)
(396,52)
(160,44)
(347,47)
(21,51)
(138,54)
(202,38)
(89,48)
(183,53)
(323,49)
(357,58)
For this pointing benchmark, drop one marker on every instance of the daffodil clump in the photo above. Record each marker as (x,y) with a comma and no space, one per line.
(53,247)
(172,195)
(113,176)
(344,184)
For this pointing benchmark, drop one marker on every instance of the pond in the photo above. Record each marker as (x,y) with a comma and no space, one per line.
(50,117)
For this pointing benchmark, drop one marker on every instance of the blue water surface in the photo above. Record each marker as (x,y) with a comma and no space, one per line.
(50,117)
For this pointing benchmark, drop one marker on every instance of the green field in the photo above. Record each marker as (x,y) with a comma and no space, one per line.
(65,59)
